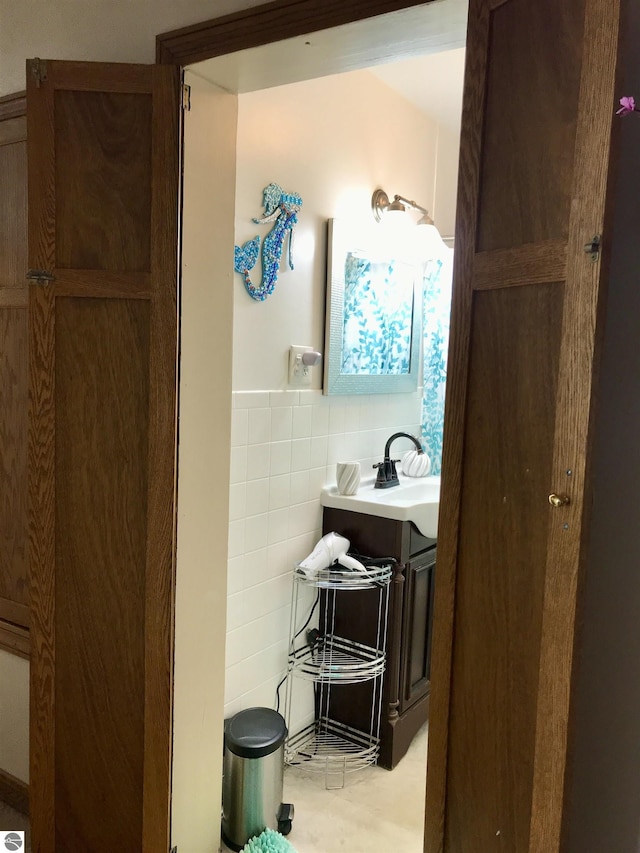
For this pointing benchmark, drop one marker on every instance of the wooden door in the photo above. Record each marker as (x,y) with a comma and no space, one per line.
(534,184)
(103,201)
(14,594)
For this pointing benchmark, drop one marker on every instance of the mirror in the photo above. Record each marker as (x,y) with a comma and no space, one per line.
(372,331)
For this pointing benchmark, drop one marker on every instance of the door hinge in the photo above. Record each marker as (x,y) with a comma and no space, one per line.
(39,70)
(593,247)
(186,97)
(40,276)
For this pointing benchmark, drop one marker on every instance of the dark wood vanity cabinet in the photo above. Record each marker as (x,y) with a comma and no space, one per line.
(405,692)
(417,624)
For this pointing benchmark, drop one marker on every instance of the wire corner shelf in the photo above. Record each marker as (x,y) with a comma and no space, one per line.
(336,577)
(332,660)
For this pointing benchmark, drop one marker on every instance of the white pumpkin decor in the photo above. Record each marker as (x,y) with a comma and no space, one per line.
(416,464)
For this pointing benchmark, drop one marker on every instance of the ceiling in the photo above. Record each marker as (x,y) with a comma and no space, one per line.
(432,82)
(418,51)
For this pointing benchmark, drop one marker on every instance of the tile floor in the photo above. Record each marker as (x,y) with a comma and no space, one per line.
(376,812)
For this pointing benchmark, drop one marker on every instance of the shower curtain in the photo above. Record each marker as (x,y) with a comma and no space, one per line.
(438,274)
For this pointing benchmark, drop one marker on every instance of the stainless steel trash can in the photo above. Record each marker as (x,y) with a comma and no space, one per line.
(253,776)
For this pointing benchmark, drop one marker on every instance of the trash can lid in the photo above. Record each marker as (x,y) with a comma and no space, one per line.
(254,732)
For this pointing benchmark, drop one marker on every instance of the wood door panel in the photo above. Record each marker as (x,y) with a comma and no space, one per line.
(103,180)
(103,148)
(528,264)
(14,391)
(14,297)
(13,207)
(501,566)
(527,154)
(102,385)
(12,129)
(536,146)
(11,611)
(14,592)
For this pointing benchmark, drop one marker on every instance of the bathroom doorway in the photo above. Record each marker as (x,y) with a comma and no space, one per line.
(284,441)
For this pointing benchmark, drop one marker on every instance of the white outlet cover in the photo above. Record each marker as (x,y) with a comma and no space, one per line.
(299,374)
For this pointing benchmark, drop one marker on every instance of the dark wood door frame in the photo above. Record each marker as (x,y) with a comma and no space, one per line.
(13,106)
(270,22)
(265,24)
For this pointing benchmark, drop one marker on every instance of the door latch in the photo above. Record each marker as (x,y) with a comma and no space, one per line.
(593,247)
(40,276)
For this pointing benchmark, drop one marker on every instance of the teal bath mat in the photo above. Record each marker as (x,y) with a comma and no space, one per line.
(268,841)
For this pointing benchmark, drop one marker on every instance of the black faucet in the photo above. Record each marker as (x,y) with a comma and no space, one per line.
(387,474)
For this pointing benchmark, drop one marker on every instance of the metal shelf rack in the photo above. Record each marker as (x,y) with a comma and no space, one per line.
(329,659)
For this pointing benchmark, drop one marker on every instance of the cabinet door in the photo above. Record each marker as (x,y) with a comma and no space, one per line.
(416,635)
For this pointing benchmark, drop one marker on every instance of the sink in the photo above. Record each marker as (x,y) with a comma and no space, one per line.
(416,499)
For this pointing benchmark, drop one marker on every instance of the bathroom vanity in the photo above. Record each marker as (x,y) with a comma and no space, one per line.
(405,698)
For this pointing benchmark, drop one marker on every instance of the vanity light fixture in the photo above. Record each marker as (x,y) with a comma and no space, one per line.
(380,205)
(431,240)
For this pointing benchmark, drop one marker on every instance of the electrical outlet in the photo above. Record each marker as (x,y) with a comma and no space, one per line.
(299,373)
(314,637)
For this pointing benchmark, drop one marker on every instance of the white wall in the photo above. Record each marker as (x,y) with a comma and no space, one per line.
(97,30)
(333,141)
(14,715)
(285,445)
(445,195)
(203,465)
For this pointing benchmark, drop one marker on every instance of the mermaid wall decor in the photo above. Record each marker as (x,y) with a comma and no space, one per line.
(281,208)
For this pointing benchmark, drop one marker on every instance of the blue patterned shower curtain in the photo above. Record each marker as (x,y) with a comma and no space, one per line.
(376,334)
(437,280)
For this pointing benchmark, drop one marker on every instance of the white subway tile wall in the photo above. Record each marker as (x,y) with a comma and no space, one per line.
(284,449)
